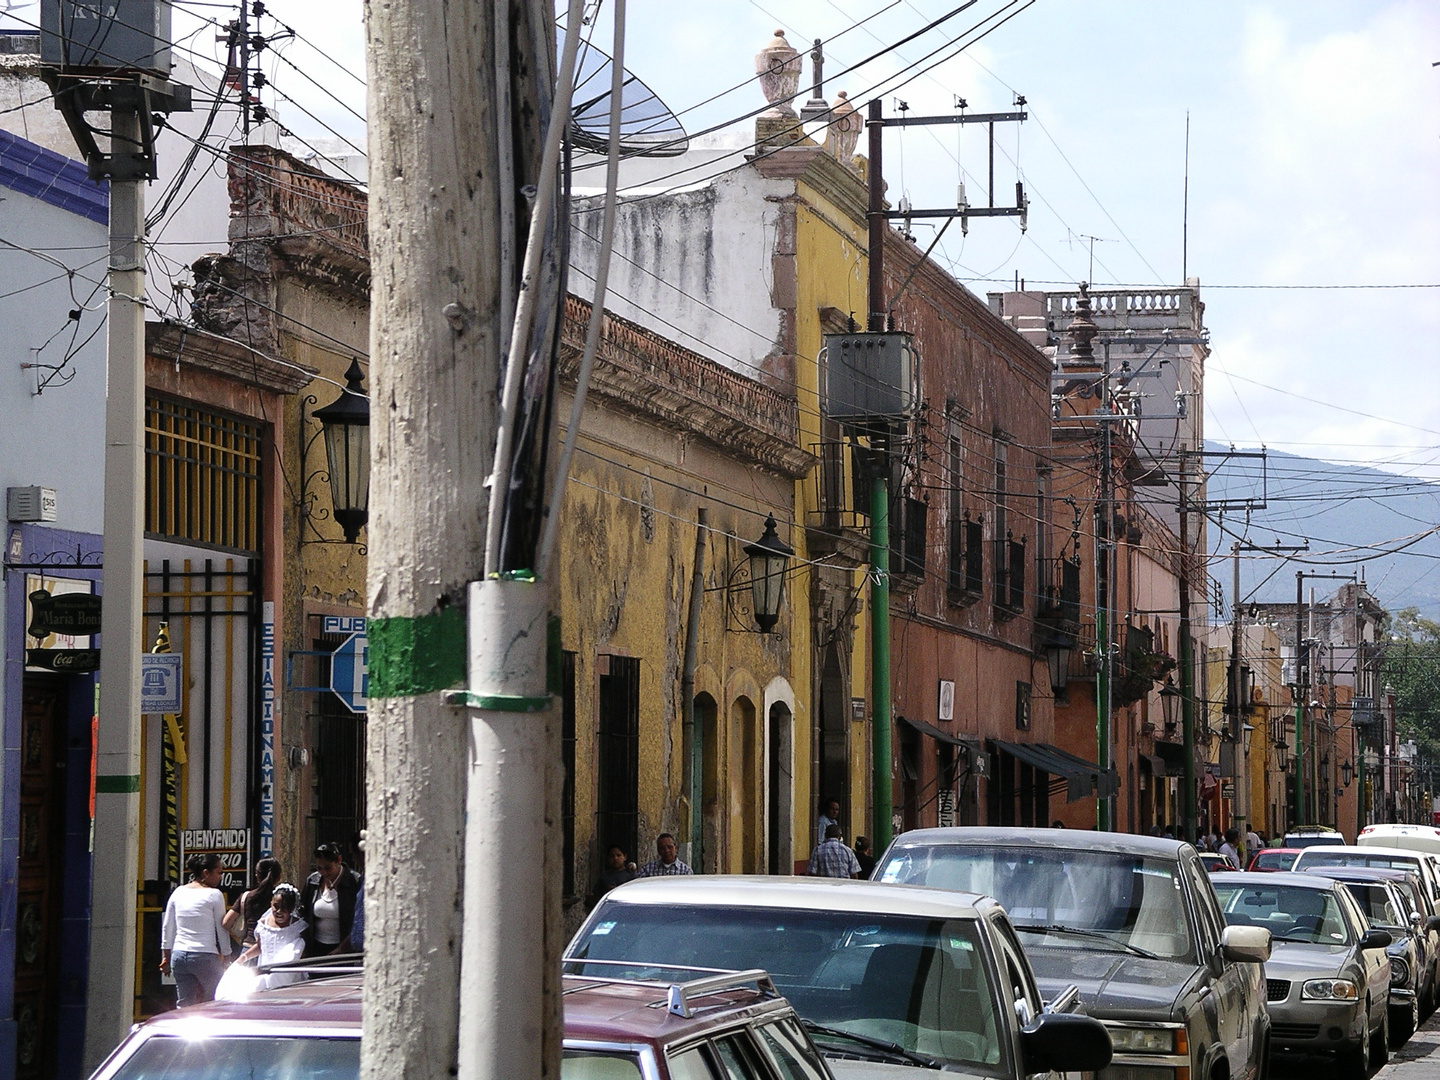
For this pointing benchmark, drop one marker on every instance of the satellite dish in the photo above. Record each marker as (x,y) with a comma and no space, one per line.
(647,126)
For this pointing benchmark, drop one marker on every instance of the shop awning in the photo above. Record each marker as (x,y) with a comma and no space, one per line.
(1083,778)
(1173,754)
(934,732)
(1156,763)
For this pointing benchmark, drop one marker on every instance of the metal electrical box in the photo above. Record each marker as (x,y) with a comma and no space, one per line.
(106,37)
(870,377)
(31,504)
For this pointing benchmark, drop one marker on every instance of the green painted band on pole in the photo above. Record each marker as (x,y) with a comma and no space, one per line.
(498,702)
(122,784)
(416,656)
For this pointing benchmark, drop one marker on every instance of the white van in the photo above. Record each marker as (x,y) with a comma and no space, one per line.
(1413,837)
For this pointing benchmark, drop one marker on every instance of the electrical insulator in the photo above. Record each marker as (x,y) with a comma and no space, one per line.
(962,204)
(1055,402)
(1180,403)
(904,207)
(1023,201)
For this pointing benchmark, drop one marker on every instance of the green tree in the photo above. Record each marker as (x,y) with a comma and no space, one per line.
(1411,665)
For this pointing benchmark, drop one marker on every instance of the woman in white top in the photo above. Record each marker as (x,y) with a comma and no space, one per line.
(194,943)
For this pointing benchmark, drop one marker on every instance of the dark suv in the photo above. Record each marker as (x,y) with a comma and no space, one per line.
(1133,922)
(721,1026)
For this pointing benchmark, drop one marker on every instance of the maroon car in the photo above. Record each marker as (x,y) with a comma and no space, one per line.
(723,1026)
(1275,860)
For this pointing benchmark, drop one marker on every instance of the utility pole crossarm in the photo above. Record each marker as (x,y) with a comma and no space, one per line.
(957,118)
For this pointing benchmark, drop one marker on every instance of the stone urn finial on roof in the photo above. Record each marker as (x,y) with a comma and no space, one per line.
(844,130)
(778,68)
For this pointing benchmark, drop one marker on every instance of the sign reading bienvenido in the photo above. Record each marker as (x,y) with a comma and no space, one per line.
(233,847)
(73,613)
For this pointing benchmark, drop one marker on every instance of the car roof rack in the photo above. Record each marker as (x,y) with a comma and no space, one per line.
(333,964)
(679,995)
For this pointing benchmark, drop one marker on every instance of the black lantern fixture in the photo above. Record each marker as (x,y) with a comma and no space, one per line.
(346,424)
(1057,656)
(1347,772)
(768,557)
(1170,704)
(1282,753)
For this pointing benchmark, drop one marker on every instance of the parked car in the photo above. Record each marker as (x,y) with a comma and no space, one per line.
(1303,836)
(1386,910)
(1384,858)
(1214,863)
(889,982)
(1423,839)
(1134,922)
(1327,982)
(1424,928)
(727,1026)
(1272,860)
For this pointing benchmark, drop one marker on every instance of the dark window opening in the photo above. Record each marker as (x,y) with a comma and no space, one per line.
(618,760)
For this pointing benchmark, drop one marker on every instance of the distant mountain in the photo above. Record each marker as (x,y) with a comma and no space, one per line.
(1333,507)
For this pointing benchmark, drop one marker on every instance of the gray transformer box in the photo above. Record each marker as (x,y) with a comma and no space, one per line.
(106,37)
(869,377)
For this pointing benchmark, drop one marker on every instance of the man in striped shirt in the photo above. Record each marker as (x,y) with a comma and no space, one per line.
(831,858)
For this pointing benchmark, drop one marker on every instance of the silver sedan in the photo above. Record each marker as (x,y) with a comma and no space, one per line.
(1328,976)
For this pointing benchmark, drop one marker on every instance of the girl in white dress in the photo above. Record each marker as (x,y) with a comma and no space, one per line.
(278,938)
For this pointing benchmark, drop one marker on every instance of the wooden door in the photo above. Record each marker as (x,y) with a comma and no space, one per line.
(41,874)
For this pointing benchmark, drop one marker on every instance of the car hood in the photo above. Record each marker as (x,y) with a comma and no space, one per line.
(1296,960)
(851,1069)
(1113,985)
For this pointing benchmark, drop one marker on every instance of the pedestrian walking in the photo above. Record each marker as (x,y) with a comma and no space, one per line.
(864,857)
(618,870)
(327,903)
(831,858)
(252,905)
(667,859)
(1230,848)
(194,945)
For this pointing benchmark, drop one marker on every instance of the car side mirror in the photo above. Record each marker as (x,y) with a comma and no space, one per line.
(1065,1042)
(1432,923)
(1375,939)
(1245,944)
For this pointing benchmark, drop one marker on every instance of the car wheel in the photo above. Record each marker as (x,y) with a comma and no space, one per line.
(1403,1022)
(1262,1067)
(1427,1003)
(1354,1061)
(1380,1042)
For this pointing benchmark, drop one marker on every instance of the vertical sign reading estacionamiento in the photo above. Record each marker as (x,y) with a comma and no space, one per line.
(269,719)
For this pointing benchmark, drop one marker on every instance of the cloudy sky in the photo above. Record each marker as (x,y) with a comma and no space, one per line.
(1314,161)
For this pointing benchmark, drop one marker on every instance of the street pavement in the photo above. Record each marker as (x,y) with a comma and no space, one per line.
(1418,1059)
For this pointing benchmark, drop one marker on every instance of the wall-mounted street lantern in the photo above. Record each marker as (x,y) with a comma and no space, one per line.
(1170,704)
(1282,754)
(346,425)
(768,558)
(1347,772)
(1057,657)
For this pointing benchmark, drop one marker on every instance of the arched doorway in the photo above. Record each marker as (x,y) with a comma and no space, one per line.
(707,860)
(745,788)
(779,790)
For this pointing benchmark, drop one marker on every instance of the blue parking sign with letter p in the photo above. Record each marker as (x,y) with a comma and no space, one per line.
(350,671)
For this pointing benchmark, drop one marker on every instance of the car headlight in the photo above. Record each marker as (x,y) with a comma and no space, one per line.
(1399,971)
(1329,990)
(1127,1040)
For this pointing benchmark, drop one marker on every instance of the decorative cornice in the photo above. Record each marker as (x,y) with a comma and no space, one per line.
(821,171)
(646,374)
(225,357)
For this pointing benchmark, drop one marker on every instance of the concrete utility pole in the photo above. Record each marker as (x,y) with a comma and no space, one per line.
(436,339)
(110,995)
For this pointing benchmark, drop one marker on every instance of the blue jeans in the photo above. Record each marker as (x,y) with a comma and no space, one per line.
(196,976)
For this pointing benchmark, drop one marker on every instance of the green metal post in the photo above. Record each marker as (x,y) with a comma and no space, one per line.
(880,720)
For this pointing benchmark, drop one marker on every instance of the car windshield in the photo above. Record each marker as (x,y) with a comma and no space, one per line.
(1290,913)
(1083,899)
(916,984)
(1274,860)
(1375,901)
(234,1058)
(1380,860)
